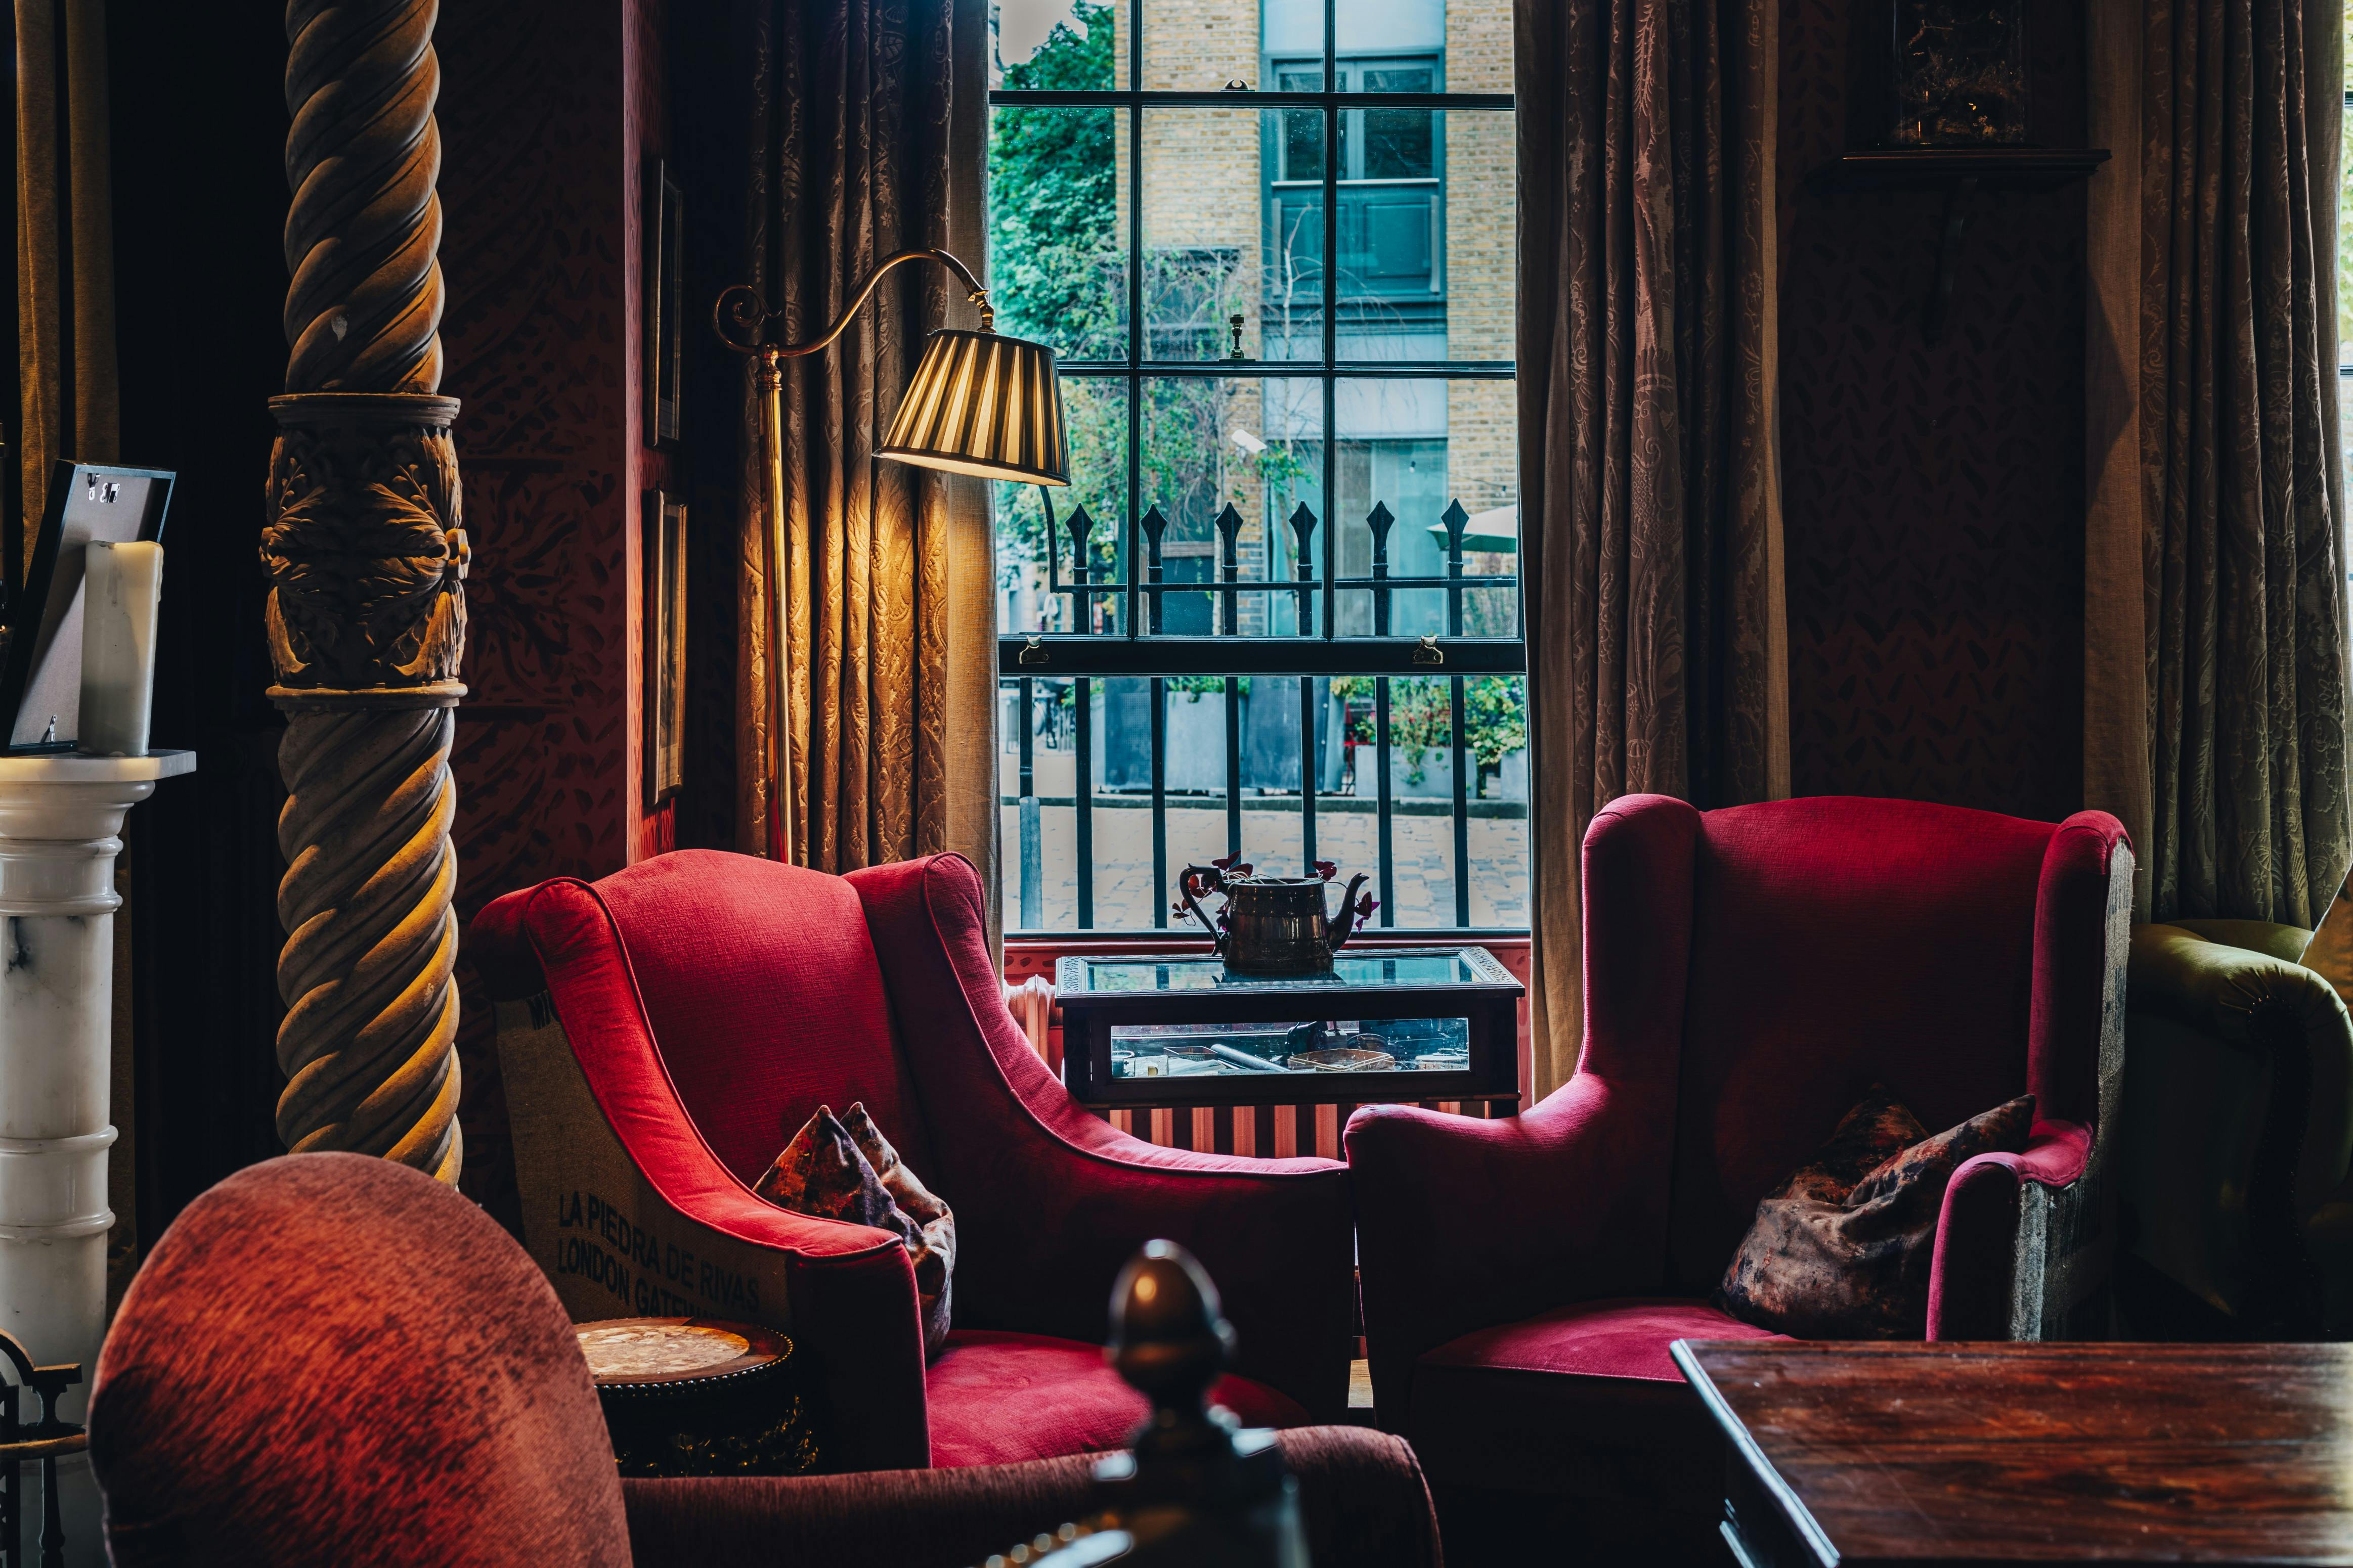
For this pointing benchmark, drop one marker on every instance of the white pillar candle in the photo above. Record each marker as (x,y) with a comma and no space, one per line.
(123,585)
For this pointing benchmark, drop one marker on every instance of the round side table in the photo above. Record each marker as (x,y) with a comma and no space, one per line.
(699,1397)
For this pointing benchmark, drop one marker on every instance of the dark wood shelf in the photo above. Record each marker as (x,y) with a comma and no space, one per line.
(1958,173)
(1941,168)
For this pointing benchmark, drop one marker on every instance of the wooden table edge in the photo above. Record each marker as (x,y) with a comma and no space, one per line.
(1794,1512)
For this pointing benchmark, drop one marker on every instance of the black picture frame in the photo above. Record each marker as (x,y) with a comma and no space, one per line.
(41,677)
(665,305)
(665,640)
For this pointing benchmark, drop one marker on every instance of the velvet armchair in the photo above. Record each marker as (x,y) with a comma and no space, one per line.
(2235,1166)
(662,1033)
(1749,973)
(333,1359)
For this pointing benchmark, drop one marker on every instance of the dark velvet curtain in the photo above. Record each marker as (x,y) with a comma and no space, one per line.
(2244,569)
(1647,355)
(857,130)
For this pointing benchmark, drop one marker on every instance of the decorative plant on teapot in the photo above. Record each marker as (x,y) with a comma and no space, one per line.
(1272,925)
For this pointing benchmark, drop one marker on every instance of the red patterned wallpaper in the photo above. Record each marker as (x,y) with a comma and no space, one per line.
(1932,492)
(543,106)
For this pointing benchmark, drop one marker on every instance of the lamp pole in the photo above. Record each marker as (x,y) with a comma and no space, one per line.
(367,610)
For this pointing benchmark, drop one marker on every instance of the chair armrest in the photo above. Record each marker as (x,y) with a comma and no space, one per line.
(1361,1498)
(1051,1201)
(630,1211)
(2225,982)
(2282,1013)
(1996,1236)
(1464,1224)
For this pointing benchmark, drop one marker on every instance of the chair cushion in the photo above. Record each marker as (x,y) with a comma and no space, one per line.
(999,1398)
(1582,1401)
(1843,1251)
(842,1167)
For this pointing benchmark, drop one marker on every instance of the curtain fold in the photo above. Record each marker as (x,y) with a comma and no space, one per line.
(68,404)
(1648,359)
(861,113)
(2240,104)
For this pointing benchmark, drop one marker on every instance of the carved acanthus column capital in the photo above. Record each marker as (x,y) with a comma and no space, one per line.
(365,549)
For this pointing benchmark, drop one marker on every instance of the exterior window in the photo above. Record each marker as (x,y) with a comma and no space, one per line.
(1295,486)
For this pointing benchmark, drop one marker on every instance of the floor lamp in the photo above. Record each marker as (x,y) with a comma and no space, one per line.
(977,403)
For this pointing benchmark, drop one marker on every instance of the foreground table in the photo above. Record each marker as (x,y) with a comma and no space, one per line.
(1859,1454)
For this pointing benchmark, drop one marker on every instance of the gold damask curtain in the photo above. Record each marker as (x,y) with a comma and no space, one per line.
(1647,355)
(2214,343)
(866,129)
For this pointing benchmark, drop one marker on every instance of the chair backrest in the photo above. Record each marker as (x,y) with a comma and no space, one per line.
(1835,943)
(329,1358)
(760,990)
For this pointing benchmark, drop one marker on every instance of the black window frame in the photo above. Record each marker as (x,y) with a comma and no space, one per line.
(1137,649)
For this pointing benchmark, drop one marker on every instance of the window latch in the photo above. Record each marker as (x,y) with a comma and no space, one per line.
(1427,651)
(1033,651)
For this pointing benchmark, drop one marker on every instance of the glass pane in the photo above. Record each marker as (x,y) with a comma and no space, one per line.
(1322,1045)
(1411,450)
(1439,967)
(1057,240)
(1096,412)
(1202,193)
(1496,726)
(1202,45)
(1041,884)
(1053,45)
(1214,443)
(1424,46)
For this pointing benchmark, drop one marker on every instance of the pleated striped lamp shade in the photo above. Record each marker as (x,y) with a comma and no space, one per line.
(981,404)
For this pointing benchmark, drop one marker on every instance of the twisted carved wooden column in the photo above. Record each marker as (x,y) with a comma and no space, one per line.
(367,612)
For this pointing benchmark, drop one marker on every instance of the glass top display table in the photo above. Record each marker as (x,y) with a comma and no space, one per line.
(1401,1024)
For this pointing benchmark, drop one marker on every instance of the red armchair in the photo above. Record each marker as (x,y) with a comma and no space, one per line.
(333,1359)
(1748,974)
(663,1031)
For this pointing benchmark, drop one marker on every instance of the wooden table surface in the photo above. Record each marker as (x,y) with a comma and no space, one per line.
(1856,1453)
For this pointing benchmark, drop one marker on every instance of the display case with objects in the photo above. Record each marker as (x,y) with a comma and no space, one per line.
(1418,1023)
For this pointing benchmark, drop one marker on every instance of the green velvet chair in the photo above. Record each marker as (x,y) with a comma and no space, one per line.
(2238,1130)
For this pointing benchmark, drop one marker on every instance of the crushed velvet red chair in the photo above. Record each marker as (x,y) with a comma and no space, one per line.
(1749,973)
(332,1358)
(663,1031)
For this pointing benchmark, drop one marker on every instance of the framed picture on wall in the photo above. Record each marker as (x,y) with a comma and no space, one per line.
(665,629)
(665,338)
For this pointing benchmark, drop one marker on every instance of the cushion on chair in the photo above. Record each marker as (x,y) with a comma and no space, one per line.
(1843,1251)
(997,1399)
(842,1168)
(1583,1401)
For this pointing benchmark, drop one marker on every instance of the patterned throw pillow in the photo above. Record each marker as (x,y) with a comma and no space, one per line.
(1842,1251)
(843,1168)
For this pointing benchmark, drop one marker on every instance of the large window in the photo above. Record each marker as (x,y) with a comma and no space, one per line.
(1277,613)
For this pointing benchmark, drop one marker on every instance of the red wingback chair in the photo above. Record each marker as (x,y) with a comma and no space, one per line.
(1749,973)
(663,1031)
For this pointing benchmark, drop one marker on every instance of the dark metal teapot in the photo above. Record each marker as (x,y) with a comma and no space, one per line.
(1273,925)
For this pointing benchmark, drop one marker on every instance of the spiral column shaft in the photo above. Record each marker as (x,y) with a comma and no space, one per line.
(366,560)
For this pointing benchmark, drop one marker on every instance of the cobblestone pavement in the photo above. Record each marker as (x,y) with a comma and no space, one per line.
(1125,898)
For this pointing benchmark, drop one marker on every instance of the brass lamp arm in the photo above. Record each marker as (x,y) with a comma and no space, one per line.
(749,313)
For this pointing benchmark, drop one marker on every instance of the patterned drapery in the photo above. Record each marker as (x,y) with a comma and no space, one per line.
(1647,354)
(2242,564)
(862,145)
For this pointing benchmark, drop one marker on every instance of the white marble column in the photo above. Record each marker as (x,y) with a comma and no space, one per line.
(59,821)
